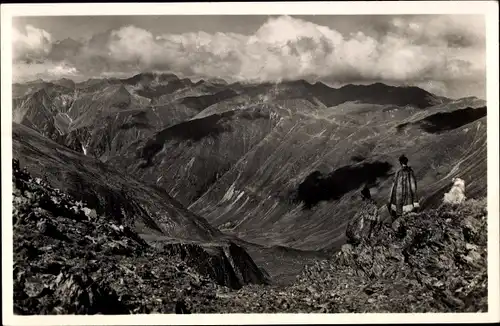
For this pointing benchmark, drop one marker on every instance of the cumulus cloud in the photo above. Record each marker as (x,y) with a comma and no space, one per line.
(62,70)
(23,72)
(430,50)
(455,31)
(32,43)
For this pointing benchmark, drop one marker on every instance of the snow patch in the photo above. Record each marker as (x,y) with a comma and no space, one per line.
(190,164)
(229,193)
(239,196)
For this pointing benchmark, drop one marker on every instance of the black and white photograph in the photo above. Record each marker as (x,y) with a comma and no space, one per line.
(291,163)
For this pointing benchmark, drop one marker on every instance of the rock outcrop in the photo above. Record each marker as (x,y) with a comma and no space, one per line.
(364,224)
(226,263)
(70,260)
(434,261)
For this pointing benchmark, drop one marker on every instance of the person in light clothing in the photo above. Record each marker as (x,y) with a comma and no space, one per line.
(457,193)
(403,196)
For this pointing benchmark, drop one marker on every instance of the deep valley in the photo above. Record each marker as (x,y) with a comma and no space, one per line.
(230,197)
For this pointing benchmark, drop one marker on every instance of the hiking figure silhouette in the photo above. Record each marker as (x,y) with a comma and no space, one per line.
(403,195)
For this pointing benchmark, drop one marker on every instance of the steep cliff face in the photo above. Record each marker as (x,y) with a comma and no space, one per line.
(226,263)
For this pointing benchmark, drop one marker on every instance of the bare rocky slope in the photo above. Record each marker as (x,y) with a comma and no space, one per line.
(435,261)
(146,209)
(150,213)
(293,167)
(99,116)
(246,184)
(70,260)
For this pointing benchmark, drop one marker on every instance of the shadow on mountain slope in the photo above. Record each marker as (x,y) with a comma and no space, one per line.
(377,93)
(318,187)
(254,194)
(189,130)
(444,121)
(201,102)
(192,131)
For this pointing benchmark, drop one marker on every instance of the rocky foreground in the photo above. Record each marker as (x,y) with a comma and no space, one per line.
(70,260)
(435,261)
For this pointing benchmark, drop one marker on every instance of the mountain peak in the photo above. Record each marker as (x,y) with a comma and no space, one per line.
(218,81)
(165,77)
(66,82)
(149,77)
(40,94)
(376,93)
(35,81)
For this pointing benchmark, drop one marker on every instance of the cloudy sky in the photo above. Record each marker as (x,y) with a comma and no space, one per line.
(443,54)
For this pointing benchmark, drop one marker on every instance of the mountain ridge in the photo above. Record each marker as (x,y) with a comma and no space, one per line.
(243,185)
(168,76)
(287,158)
(261,180)
(211,146)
